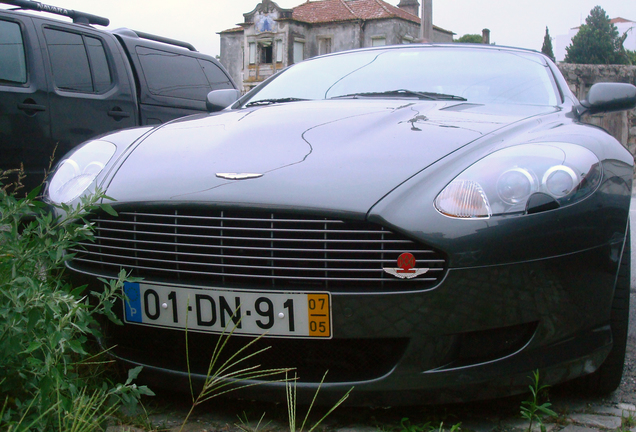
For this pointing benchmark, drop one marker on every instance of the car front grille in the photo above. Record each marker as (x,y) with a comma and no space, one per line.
(256,249)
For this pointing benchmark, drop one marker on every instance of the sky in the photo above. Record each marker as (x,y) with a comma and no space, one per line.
(519,23)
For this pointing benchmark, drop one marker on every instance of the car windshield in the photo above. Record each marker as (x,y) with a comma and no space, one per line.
(476,75)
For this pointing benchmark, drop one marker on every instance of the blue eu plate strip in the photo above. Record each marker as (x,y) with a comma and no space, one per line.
(132,302)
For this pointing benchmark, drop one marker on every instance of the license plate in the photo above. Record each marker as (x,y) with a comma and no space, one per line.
(215,310)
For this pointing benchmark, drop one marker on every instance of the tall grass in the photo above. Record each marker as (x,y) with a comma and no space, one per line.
(49,376)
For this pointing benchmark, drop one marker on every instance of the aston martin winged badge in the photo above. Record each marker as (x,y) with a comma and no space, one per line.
(406,267)
(238,176)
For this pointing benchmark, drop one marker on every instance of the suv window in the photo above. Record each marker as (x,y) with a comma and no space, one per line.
(170,74)
(12,59)
(176,75)
(79,62)
(216,77)
(102,80)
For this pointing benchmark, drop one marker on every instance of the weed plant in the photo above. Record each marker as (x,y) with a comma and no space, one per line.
(406,426)
(532,409)
(292,406)
(629,421)
(224,376)
(49,380)
(246,426)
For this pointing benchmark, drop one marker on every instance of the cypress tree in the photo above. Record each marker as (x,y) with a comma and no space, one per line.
(547,45)
(597,41)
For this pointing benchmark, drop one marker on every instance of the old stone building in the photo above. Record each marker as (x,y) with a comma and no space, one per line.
(272,38)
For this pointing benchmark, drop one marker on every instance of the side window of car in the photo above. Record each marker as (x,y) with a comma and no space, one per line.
(79,62)
(12,58)
(172,74)
(215,76)
(102,79)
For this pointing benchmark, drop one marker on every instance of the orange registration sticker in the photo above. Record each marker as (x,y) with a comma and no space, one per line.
(319,315)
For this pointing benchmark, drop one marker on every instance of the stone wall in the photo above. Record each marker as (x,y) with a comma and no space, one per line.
(622,125)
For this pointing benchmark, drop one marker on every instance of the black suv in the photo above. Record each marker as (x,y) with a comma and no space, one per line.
(62,83)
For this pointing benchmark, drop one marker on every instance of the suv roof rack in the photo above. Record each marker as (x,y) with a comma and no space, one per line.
(77,17)
(148,36)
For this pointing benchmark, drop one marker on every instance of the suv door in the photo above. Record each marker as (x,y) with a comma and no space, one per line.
(24,104)
(91,91)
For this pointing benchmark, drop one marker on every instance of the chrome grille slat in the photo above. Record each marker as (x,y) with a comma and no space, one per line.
(256,267)
(226,219)
(257,258)
(210,237)
(300,278)
(242,247)
(258,250)
(247,229)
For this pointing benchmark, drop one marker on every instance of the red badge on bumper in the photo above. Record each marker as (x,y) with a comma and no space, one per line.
(406,267)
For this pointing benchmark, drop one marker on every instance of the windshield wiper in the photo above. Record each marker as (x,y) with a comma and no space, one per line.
(273,101)
(407,93)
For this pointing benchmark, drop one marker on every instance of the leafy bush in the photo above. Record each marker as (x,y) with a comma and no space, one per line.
(48,378)
(470,38)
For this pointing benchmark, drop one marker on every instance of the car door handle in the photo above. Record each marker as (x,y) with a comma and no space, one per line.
(31,107)
(118,114)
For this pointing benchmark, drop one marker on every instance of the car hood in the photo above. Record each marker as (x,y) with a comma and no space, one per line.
(343,155)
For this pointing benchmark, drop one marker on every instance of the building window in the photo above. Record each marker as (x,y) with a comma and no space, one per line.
(324,46)
(299,51)
(267,53)
(279,51)
(378,41)
(252,53)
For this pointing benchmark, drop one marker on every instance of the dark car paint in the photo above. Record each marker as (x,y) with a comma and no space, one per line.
(439,323)
(323,146)
(361,134)
(519,269)
(40,121)
(66,118)
(597,219)
(538,286)
(26,108)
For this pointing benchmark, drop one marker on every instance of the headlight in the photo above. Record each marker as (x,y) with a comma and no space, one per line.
(504,181)
(75,173)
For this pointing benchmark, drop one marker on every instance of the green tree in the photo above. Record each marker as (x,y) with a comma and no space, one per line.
(470,38)
(597,41)
(547,45)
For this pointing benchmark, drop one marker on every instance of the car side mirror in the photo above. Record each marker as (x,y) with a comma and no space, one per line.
(220,99)
(607,97)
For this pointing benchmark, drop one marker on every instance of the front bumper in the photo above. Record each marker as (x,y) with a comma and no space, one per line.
(479,334)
